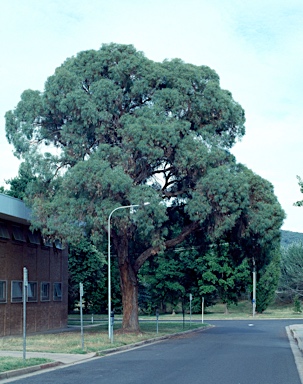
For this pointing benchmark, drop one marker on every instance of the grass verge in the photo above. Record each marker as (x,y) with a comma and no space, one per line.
(95,338)
(11,363)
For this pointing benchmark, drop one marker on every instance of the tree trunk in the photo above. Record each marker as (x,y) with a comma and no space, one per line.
(129,290)
(129,287)
(129,273)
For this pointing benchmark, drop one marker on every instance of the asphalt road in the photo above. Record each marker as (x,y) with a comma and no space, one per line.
(233,352)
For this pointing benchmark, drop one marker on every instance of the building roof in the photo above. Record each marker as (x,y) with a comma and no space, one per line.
(13,209)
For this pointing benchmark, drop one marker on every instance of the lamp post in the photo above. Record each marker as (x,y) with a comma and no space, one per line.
(108,262)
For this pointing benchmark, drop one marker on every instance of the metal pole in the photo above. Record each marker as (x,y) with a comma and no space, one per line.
(108,261)
(81,315)
(25,286)
(112,320)
(190,300)
(202,310)
(254,288)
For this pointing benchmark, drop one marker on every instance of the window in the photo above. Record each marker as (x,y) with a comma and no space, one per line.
(57,291)
(47,243)
(4,231)
(33,237)
(58,244)
(17,291)
(2,291)
(18,234)
(32,291)
(45,290)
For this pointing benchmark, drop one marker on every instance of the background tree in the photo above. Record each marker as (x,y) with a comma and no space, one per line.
(290,237)
(114,128)
(220,276)
(268,279)
(300,182)
(19,184)
(291,280)
(86,265)
(169,278)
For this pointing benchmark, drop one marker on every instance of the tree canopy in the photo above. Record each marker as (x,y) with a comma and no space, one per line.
(291,280)
(112,128)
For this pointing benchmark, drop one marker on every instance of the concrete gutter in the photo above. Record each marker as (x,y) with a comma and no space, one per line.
(27,370)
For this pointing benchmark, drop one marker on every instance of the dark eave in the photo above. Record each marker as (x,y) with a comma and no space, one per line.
(14,210)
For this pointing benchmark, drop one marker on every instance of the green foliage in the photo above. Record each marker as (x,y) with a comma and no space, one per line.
(168,278)
(297,304)
(220,276)
(289,237)
(113,128)
(86,265)
(20,184)
(267,282)
(300,182)
(291,280)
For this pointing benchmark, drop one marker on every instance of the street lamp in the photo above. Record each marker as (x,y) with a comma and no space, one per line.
(108,262)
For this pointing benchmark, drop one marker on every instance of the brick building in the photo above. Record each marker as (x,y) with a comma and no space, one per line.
(47,266)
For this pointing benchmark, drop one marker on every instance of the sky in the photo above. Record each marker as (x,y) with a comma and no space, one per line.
(255,47)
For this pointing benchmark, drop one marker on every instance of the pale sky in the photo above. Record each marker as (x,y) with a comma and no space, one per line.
(255,46)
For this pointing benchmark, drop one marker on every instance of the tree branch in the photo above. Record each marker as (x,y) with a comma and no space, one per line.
(167,244)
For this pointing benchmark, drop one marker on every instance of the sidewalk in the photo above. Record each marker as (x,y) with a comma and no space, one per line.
(297,333)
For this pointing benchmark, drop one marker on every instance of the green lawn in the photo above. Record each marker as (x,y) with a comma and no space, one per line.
(11,363)
(95,338)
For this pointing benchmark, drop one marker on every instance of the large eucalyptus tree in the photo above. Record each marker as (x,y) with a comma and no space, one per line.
(113,128)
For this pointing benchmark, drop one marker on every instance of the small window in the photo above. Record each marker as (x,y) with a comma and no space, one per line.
(47,243)
(57,291)
(4,231)
(2,291)
(17,291)
(45,290)
(59,245)
(34,237)
(18,234)
(32,291)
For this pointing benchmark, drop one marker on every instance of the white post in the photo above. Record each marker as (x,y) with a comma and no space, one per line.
(81,315)
(25,287)
(202,310)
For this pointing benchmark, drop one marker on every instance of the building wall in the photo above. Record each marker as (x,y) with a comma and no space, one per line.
(46,265)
